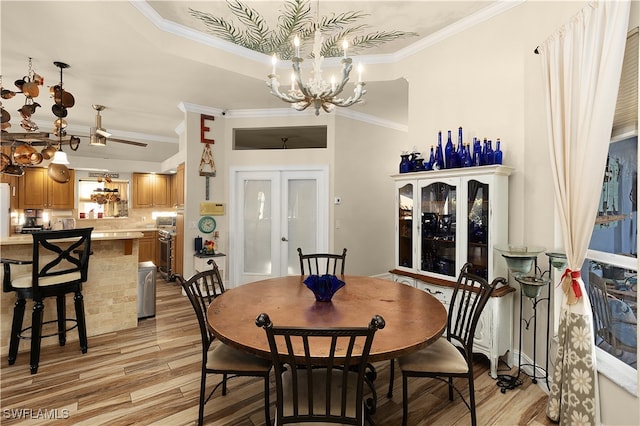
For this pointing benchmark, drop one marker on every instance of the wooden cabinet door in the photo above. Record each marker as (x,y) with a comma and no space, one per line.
(61,195)
(179,179)
(161,191)
(147,247)
(142,190)
(34,187)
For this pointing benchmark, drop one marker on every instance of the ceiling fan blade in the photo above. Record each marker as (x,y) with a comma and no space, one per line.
(142,144)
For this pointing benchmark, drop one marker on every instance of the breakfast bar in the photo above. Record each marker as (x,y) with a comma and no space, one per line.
(110,293)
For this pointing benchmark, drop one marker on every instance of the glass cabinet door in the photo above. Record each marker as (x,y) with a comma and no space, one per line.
(438,228)
(405,226)
(478,227)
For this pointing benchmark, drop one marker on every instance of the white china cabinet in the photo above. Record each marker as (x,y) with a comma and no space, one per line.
(445,219)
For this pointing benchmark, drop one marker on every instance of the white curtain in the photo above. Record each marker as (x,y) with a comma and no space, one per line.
(582,63)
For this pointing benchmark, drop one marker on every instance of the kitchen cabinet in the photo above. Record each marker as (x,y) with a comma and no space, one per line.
(147,247)
(151,190)
(445,219)
(38,191)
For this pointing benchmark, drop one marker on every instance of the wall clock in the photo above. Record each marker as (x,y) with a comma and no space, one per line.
(207,224)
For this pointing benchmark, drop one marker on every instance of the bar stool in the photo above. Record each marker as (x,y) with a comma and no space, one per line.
(64,256)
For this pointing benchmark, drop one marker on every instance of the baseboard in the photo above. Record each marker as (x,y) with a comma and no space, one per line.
(528,369)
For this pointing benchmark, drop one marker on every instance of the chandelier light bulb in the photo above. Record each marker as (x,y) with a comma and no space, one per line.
(345,44)
(274,61)
(360,72)
(296,44)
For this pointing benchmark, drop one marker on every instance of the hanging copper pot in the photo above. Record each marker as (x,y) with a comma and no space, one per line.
(7,94)
(31,89)
(62,97)
(5,116)
(59,173)
(59,111)
(4,161)
(36,158)
(22,154)
(12,169)
(48,152)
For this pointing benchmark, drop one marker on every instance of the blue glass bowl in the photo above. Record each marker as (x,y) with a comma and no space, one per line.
(323,286)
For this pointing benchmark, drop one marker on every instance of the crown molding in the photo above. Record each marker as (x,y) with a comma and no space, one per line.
(464,24)
(197,36)
(370,119)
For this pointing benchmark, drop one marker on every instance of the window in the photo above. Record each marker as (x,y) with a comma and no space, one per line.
(610,270)
(299,137)
(110,199)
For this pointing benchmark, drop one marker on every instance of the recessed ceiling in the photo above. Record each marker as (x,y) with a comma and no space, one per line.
(142,59)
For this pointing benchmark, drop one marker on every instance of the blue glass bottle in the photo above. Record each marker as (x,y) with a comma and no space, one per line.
(477,152)
(404,162)
(448,152)
(468,162)
(489,153)
(439,155)
(460,152)
(497,155)
(432,160)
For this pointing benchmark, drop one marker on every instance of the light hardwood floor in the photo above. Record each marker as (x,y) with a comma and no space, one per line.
(150,375)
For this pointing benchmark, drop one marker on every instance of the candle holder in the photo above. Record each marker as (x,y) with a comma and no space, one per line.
(522,262)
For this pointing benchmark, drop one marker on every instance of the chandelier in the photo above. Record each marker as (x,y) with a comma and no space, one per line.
(316,92)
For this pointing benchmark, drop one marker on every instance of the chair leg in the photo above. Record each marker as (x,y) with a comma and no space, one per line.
(203,384)
(450,388)
(472,400)
(16,327)
(267,415)
(405,399)
(78,301)
(61,307)
(392,367)
(36,335)
(224,384)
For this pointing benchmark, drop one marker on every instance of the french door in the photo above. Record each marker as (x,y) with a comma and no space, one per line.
(274,213)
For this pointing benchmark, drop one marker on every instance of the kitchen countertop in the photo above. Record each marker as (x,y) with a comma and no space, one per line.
(95,236)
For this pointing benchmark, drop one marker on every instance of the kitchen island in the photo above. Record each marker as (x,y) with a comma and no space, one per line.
(110,293)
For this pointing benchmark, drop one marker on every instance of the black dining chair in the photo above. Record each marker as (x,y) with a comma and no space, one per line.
(59,266)
(451,356)
(322,263)
(615,324)
(219,358)
(311,389)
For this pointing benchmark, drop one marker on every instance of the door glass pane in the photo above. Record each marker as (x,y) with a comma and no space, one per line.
(405,226)
(257,226)
(302,220)
(478,227)
(438,207)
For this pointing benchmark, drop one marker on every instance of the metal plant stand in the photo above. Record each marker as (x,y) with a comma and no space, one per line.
(530,288)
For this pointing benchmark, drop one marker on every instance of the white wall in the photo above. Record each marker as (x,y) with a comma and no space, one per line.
(488,80)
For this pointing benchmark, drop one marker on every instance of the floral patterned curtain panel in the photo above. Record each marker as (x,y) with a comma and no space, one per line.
(582,64)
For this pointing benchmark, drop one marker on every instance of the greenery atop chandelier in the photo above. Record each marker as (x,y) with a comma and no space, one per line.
(295,18)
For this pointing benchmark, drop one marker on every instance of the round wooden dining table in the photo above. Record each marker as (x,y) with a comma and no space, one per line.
(413,317)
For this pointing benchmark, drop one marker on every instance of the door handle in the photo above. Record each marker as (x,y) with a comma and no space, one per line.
(283,239)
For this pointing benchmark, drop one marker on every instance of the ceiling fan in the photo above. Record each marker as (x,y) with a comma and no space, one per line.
(98,135)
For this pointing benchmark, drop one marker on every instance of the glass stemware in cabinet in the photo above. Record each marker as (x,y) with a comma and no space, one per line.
(438,224)
(478,227)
